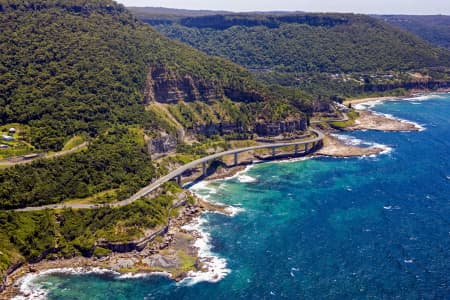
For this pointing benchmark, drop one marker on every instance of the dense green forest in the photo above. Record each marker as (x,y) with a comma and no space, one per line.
(80,66)
(329,43)
(69,233)
(88,68)
(116,160)
(323,54)
(433,29)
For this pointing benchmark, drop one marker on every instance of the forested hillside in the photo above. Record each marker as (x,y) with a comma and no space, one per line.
(304,43)
(308,50)
(90,68)
(81,66)
(433,29)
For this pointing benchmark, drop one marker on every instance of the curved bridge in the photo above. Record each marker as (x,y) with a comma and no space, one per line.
(176,174)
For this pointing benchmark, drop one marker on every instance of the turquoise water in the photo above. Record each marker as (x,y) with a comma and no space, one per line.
(356,228)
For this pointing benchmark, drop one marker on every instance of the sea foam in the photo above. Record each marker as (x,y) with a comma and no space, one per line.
(372,104)
(246,179)
(352,141)
(215,267)
(30,290)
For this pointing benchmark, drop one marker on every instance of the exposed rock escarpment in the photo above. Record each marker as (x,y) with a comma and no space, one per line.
(166,86)
(163,144)
(277,128)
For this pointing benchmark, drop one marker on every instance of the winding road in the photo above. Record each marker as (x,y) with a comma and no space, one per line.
(7,164)
(175,174)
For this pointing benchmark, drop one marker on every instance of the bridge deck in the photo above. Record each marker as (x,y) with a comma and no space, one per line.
(178,172)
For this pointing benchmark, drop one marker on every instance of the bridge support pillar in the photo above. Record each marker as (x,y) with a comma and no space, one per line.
(296,149)
(204,168)
(236,158)
(306,148)
(179,180)
(274,151)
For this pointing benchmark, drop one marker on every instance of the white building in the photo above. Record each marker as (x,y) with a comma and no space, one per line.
(7,138)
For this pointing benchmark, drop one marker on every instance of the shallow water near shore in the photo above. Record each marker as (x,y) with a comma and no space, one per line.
(353,228)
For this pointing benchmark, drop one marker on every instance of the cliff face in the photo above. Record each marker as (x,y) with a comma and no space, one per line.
(163,144)
(166,86)
(277,128)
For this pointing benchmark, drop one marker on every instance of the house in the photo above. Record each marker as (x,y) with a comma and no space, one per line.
(12,131)
(7,138)
(3,146)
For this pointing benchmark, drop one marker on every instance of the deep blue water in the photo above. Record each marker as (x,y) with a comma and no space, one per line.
(354,228)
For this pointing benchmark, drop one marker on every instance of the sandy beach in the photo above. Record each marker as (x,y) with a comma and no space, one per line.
(410,94)
(370,99)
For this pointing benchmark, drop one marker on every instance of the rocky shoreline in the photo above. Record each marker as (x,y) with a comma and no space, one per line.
(369,120)
(173,251)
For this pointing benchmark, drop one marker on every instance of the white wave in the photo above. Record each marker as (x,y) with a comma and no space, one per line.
(287,161)
(233,211)
(142,275)
(348,140)
(30,290)
(246,179)
(386,149)
(370,104)
(426,97)
(204,190)
(352,141)
(389,116)
(237,175)
(215,267)
(415,99)
(408,261)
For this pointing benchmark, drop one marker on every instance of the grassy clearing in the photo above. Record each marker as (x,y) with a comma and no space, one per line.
(352,116)
(108,196)
(17,147)
(74,142)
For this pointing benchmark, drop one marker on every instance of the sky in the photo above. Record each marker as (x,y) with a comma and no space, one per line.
(417,7)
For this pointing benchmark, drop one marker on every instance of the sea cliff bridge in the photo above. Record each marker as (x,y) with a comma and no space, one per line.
(308,146)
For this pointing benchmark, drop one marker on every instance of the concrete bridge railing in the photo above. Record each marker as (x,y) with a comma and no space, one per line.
(176,174)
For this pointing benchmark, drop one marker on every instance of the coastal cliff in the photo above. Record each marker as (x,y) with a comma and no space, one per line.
(168,86)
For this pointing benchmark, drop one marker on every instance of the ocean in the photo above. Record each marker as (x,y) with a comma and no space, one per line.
(320,228)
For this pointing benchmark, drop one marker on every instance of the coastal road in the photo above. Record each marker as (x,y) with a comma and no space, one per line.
(344,118)
(176,173)
(8,164)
